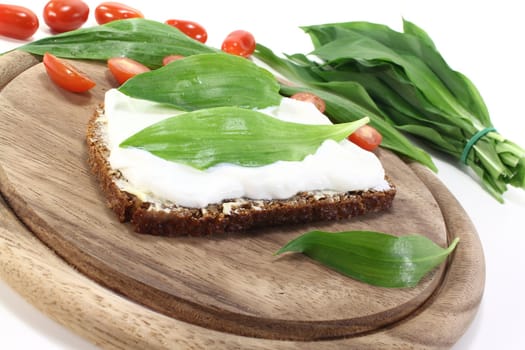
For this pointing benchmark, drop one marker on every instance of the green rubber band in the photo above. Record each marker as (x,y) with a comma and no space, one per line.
(472,141)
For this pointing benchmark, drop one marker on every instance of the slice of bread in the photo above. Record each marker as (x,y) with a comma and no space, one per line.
(233,215)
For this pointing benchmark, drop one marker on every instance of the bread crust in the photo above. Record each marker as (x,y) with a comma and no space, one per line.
(229,216)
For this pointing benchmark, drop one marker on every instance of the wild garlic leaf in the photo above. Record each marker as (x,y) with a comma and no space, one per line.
(373,257)
(207,137)
(205,81)
(143,40)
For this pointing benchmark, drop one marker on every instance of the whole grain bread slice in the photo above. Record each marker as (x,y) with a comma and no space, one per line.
(233,215)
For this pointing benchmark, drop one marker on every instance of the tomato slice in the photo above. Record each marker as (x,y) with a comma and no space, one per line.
(65,15)
(112,11)
(124,68)
(192,29)
(366,137)
(309,97)
(66,75)
(239,42)
(168,59)
(17,22)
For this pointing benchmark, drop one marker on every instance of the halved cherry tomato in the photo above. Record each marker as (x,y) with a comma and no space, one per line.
(168,59)
(309,97)
(65,15)
(366,137)
(192,29)
(65,75)
(240,43)
(17,22)
(124,68)
(111,11)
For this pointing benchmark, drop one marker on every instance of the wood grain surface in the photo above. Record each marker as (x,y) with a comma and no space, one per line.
(226,291)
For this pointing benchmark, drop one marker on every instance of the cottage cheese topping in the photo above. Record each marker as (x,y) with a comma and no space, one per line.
(334,167)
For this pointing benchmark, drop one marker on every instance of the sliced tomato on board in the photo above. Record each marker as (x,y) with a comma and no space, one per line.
(66,75)
(112,11)
(240,43)
(312,98)
(124,68)
(65,15)
(366,137)
(192,29)
(17,22)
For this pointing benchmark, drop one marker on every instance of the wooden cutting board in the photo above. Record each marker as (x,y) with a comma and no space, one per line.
(63,250)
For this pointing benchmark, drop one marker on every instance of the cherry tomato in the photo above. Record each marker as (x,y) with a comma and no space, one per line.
(65,15)
(111,11)
(191,29)
(124,68)
(239,42)
(168,59)
(366,137)
(17,22)
(309,97)
(65,75)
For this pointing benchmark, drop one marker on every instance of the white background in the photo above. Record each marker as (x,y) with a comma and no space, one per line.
(482,39)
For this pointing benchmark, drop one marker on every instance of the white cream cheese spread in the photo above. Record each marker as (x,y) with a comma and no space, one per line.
(339,167)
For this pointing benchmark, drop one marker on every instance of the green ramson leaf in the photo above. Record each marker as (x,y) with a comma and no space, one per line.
(207,137)
(288,67)
(373,257)
(143,40)
(205,81)
(411,28)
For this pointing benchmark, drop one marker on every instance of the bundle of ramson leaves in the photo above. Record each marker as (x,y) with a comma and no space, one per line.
(402,83)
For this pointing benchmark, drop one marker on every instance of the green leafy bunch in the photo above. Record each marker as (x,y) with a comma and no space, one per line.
(402,82)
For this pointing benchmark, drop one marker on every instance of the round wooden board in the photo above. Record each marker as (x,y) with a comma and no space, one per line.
(227,291)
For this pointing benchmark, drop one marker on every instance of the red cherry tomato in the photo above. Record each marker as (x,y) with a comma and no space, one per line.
(168,59)
(366,137)
(65,75)
(17,22)
(65,15)
(239,42)
(124,68)
(309,97)
(111,11)
(191,29)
